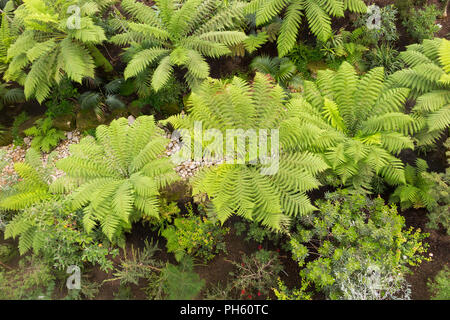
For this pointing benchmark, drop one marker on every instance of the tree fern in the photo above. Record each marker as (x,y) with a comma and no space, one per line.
(117,175)
(34,185)
(283,70)
(357,123)
(428,77)
(178,34)
(317,13)
(45,137)
(242,188)
(50,48)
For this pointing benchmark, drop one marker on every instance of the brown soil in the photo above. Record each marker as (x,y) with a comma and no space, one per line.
(439,243)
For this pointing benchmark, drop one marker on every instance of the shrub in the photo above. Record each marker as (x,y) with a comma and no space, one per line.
(53,231)
(440,286)
(116,176)
(359,248)
(387,31)
(440,186)
(257,274)
(104,98)
(421,23)
(195,236)
(357,123)
(253,191)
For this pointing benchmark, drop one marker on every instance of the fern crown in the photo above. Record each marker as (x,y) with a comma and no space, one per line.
(116,178)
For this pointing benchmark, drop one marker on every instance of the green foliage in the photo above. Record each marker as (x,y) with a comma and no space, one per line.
(440,190)
(105,98)
(181,282)
(32,280)
(50,48)
(34,185)
(253,231)
(45,138)
(421,23)
(178,35)
(440,286)
(428,77)
(385,56)
(283,70)
(61,99)
(283,293)
(252,190)
(257,274)
(163,101)
(15,130)
(418,190)
(7,36)
(7,252)
(356,123)
(9,97)
(195,236)
(352,236)
(136,265)
(116,176)
(387,31)
(318,15)
(54,231)
(346,46)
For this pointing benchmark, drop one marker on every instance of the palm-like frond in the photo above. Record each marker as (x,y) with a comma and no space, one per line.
(358,124)
(247,189)
(317,13)
(429,67)
(168,36)
(117,173)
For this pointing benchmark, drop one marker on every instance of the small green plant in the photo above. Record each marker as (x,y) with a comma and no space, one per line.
(283,70)
(345,46)
(137,265)
(181,282)
(195,236)
(439,215)
(385,56)
(283,293)
(32,280)
(104,97)
(34,185)
(421,23)
(15,130)
(45,137)
(257,274)
(440,285)
(386,31)
(255,232)
(62,99)
(417,192)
